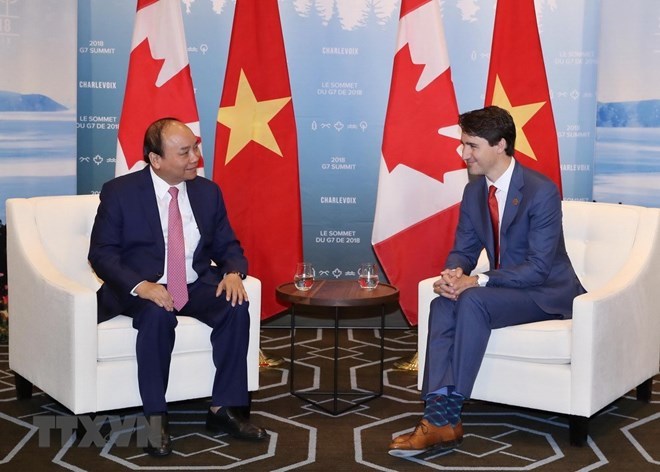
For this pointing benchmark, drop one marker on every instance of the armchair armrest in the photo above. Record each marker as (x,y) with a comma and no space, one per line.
(425,297)
(618,327)
(52,318)
(253,287)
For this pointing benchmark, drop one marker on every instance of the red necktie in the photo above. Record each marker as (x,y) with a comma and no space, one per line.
(176,253)
(495,221)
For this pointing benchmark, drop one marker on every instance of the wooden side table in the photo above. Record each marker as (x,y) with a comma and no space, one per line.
(337,294)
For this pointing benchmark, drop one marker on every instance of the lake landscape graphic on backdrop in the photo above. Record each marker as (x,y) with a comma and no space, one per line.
(627,162)
(37,148)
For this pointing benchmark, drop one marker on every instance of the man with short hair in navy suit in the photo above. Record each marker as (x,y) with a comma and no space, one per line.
(530,278)
(128,251)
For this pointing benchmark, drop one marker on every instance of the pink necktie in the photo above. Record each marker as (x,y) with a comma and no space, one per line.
(495,221)
(176,253)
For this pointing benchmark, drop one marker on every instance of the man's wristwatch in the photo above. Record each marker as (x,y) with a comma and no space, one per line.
(240,274)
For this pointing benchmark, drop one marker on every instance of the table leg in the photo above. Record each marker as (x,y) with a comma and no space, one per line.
(292,362)
(335,393)
(382,349)
(336,372)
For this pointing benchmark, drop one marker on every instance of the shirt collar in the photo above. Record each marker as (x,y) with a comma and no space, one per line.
(505,179)
(161,187)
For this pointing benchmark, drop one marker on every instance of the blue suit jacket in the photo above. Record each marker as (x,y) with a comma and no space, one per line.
(532,249)
(127,244)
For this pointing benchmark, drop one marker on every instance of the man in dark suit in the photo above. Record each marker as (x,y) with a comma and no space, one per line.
(131,245)
(530,277)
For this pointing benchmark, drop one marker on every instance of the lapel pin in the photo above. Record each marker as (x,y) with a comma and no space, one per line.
(515,202)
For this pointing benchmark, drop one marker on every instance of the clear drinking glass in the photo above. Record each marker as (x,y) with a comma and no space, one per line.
(368,276)
(304,276)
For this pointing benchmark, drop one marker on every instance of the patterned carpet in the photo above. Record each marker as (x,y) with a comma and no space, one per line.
(625,436)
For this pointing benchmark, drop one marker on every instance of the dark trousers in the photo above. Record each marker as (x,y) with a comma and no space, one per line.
(459,331)
(155,342)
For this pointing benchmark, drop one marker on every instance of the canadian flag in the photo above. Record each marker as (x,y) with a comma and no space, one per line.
(159,83)
(421,176)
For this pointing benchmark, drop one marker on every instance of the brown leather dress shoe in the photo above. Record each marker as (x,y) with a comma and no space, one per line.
(427,437)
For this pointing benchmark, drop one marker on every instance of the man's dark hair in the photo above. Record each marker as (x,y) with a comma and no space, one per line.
(153,137)
(492,124)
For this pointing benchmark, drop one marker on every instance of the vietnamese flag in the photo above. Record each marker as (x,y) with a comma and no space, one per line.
(422,175)
(256,152)
(159,84)
(518,83)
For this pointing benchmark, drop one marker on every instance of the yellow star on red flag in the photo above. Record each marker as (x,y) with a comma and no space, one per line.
(521,115)
(248,119)
(518,83)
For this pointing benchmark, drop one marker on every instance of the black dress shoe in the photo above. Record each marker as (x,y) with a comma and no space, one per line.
(233,422)
(159,442)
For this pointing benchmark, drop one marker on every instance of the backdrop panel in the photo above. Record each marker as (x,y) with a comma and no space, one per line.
(340,58)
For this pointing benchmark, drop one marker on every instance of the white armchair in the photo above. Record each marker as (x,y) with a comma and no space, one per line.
(612,344)
(55,342)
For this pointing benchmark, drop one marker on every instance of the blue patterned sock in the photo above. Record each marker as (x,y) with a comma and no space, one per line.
(435,409)
(454,408)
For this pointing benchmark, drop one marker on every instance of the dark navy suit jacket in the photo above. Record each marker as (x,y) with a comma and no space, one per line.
(532,249)
(127,244)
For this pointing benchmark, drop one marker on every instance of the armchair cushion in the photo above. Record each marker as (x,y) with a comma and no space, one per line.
(547,342)
(117,338)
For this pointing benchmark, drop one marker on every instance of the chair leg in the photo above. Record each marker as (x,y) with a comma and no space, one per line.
(645,390)
(81,430)
(23,387)
(578,430)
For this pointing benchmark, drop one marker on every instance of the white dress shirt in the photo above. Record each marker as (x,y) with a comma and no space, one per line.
(191,233)
(502,184)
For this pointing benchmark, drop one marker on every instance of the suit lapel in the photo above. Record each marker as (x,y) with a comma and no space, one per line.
(513,200)
(196,200)
(148,199)
(486,226)
(197,204)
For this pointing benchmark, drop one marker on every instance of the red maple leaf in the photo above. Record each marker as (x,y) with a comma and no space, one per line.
(145,103)
(414,118)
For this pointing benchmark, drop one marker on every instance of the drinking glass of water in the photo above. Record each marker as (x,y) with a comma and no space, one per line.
(304,276)
(368,276)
